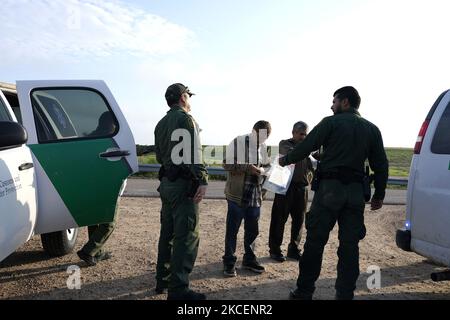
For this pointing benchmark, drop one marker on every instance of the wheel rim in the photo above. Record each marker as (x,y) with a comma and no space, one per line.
(70,234)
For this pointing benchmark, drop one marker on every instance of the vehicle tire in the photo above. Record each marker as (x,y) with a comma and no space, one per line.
(59,243)
(403,240)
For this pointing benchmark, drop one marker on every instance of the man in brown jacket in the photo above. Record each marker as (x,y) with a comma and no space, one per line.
(246,157)
(293,203)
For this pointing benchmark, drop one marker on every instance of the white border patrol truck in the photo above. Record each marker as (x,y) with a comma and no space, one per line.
(427,225)
(66,151)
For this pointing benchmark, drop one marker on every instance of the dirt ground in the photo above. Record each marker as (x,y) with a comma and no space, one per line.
(30,274)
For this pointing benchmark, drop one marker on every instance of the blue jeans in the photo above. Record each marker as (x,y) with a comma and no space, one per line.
(251,230)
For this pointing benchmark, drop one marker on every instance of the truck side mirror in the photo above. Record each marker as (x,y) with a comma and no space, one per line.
(12,135)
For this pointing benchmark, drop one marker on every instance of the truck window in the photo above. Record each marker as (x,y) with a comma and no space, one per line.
(441,140)
(67,114)
(14,103)
(4,114)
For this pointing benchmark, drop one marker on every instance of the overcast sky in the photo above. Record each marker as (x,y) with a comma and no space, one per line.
(249,60)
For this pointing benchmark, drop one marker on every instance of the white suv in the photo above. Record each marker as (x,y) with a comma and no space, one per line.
(65,152)
(427,226)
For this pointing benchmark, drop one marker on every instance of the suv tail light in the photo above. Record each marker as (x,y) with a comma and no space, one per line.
(421,137)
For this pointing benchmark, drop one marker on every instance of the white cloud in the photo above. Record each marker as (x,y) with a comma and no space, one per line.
(43,30)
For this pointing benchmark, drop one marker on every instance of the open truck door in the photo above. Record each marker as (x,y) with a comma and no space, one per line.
(83,150)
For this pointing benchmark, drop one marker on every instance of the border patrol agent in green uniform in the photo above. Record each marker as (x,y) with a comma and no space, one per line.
(183,186)
(347,140)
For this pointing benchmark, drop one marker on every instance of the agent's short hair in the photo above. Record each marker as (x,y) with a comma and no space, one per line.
(262,125)
(349,93)
(300,126)
(171,102)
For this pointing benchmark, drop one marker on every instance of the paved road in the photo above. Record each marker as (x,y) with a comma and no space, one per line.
(147,188)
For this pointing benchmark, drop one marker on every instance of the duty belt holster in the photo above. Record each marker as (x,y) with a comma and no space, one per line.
(161,173)
(347,177)
(173,173)
(315,183)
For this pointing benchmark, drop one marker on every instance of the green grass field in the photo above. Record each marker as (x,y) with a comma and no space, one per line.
(399,160)
(148,159)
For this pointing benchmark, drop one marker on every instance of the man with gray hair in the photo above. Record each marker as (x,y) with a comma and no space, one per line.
(293,203)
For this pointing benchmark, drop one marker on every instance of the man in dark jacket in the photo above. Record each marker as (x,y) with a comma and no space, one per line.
(293,203)
(347,140)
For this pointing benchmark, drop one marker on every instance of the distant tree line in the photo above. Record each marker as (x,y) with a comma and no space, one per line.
(143,149)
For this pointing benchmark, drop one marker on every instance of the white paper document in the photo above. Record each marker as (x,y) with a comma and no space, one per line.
(279,178)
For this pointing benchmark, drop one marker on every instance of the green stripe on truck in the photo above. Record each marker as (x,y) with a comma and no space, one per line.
(88,185)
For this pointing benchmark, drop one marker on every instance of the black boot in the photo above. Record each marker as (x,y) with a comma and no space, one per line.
(294,253)
(90,260)
(297,295)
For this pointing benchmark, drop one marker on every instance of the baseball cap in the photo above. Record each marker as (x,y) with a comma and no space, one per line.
(175,91)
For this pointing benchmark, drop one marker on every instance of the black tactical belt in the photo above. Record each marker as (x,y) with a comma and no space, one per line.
(175,172)
(345,178)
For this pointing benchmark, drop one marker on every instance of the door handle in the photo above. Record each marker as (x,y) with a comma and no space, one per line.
(26,166)
(115,154)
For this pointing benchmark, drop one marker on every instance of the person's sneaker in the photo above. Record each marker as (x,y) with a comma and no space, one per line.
(297,295)
(229,270)
(253,266)
(90,260)
(294,254)
(103,256)
(188,295)
(278,257)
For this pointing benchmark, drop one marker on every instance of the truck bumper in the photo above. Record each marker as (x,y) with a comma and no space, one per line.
(403,240)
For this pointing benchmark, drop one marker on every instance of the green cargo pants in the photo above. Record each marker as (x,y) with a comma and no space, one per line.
(98,235)
(333,202)
(179,236)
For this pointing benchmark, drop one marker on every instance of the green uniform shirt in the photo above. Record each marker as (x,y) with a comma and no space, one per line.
(347,140)
(175,119)
(303,169)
